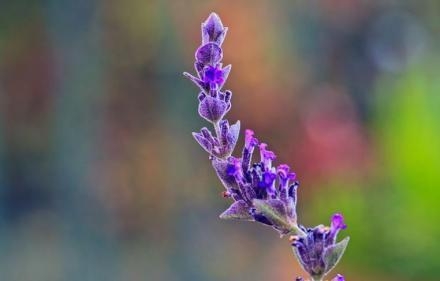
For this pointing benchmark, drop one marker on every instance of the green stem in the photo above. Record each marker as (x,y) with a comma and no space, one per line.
(217,130)
(297,231)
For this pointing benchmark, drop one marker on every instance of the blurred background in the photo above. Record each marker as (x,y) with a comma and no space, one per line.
(100,178)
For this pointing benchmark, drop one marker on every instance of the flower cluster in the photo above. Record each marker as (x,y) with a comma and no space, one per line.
(317,251)
(261,192)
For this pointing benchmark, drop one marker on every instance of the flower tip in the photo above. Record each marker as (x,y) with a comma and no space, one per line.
(339,277)
(214,20)
(283,170)
(266,154)
(249,139)
(338,222)
(213,30)
(213,16)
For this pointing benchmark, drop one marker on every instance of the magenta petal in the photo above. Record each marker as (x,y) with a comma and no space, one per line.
(337,222)
(249,140)
(266,155)
(283,171)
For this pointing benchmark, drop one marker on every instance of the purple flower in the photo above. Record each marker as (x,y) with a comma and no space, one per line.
(261,191)
(263,194)
(338,277)
(337,223)
(318,252)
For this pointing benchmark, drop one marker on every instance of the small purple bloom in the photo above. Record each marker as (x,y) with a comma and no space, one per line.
(267,156)
(250,140)
(318,252)
(284,172)
(338,277)
(337,223)
(214,75)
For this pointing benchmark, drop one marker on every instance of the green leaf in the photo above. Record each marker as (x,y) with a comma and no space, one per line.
(275,211)
(238,210)
(333,254)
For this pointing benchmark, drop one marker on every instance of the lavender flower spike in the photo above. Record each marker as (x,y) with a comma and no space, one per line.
(260,191)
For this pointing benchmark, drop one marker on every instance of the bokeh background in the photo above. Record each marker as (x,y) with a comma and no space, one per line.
(100,178)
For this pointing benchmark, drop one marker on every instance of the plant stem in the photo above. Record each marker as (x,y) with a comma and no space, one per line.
(217,130)
(298,231)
